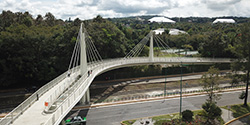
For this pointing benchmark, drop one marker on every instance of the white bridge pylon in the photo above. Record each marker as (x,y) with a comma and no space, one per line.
(53,101)
(156,47)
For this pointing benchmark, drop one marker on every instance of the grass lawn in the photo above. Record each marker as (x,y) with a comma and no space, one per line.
(159,120)
(238,110)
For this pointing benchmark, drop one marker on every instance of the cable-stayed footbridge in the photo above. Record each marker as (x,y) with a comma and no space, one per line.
(53,101)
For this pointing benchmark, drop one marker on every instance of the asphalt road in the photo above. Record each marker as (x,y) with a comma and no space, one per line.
(113,115)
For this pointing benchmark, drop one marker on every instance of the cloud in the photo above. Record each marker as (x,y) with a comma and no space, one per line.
(219,5)
(135,6)
(87,9)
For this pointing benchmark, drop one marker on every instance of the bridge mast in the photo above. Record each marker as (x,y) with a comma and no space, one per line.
(151,48)
(83,58)
(83,63)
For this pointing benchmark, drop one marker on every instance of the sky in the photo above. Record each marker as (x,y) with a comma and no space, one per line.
(88,9)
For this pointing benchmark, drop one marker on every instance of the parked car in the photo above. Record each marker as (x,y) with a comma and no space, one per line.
(77,120)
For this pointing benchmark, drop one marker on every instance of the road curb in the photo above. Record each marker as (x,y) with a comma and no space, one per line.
(237,118)
(151,99)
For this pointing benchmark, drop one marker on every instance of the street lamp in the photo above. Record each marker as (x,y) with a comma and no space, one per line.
(181,92)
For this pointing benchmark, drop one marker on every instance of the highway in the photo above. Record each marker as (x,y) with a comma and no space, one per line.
(112,115)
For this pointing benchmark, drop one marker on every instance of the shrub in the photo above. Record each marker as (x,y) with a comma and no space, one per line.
(242,95)
(187,115)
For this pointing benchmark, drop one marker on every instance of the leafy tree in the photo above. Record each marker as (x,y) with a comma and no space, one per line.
(50,19)
(210,83)
(242,50)
(39,20)
(109,40)
(6,19)
(213,46)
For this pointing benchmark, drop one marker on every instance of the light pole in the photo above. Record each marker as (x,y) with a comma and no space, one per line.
(165,87)
(181,92)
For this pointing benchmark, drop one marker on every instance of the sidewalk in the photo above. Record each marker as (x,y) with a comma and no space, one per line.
(226,115)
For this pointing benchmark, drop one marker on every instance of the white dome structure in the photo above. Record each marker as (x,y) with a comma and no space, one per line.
(159,31)
(176,32)
(161,20)
(224,21)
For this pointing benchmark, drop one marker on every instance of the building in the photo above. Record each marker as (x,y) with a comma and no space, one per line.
(176,32)
(161,20)
(224,21)
(159,31)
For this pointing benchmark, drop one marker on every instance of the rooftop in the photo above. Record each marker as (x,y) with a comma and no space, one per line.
(224,21)
(161,20)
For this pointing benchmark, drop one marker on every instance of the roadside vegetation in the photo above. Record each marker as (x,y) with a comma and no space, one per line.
(170,119)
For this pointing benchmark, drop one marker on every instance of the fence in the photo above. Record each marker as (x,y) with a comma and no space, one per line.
(141,97)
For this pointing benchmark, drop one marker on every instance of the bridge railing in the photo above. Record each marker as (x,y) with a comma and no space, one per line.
(74,93)
(63,86)
(10,117)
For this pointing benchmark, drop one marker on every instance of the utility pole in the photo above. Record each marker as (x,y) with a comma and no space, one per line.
(180,93)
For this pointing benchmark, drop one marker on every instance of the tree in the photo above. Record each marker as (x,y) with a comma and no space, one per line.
(213,46)
(110,41)
(241,48)
(209,81)
(50,19)
(210,112)
(39,19)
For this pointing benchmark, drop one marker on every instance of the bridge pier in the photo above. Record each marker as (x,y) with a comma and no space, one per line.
(86,98)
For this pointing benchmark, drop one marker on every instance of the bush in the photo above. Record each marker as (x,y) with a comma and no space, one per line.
(187,115)
(210,112)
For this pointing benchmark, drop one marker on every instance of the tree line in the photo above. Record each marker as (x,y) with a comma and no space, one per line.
(36,50)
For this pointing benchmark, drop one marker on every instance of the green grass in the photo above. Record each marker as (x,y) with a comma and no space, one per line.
(159,120)
(238,110)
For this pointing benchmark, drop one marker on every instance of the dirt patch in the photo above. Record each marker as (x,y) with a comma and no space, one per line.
(123,90)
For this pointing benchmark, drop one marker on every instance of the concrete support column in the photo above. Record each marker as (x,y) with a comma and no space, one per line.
(83,57)
(151,47)
(86,98)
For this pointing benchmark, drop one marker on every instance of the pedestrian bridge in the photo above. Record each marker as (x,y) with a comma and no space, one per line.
(53,101)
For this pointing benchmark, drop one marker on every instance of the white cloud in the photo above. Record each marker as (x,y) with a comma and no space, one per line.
(87,9)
